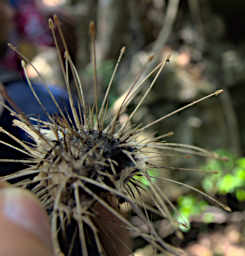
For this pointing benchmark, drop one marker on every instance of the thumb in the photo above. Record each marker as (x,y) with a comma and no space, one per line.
(24,224)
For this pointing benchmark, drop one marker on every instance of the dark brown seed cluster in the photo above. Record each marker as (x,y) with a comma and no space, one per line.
(85,166)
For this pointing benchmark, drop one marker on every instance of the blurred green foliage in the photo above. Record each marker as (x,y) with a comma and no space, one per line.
(229,177)
(189,206)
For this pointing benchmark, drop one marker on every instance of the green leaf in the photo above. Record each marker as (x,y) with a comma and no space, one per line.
(184,223)
(190,206)
(240,194)
(228,183)
(240,173)
(241,162)
(209,183)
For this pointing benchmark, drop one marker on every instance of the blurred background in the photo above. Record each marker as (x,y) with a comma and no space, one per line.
(205,39)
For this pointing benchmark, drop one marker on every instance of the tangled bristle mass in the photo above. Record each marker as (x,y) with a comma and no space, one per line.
(84,167)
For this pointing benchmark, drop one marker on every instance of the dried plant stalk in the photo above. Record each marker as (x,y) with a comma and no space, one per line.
(86,166)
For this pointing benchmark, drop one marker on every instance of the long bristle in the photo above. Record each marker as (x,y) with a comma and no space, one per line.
(145,94)
(92,32)
(102,110)
(216,93)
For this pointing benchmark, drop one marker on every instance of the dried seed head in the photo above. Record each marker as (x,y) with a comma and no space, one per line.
(87,165)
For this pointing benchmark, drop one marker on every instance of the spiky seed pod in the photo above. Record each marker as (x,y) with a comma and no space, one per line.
(87,165)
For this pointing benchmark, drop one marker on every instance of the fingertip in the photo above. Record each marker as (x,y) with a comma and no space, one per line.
(4,184)
(20,210)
